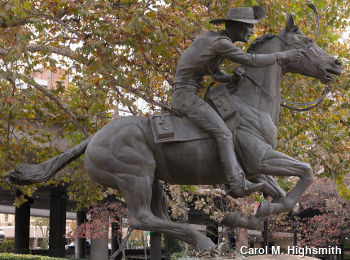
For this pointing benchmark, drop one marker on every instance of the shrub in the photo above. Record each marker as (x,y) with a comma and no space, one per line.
(172,246)
(7,246)
(26,257)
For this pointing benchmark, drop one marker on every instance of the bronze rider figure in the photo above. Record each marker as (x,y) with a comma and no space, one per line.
(203,57)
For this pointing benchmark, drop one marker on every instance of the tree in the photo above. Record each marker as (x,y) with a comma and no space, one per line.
(332,223)
(99,219)
(323,219)
(121,52)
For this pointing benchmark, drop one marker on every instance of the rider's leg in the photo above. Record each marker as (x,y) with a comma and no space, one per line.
(188,103)
(233,171)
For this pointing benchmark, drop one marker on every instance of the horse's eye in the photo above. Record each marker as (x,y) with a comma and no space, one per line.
(295,29)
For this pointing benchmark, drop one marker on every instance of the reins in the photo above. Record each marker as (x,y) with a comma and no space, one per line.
(290,104)
(311,104)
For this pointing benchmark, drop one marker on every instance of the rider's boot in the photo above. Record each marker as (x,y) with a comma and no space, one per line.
(238,186)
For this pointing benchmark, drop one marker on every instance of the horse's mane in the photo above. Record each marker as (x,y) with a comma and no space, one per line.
(259,41)
(252,49)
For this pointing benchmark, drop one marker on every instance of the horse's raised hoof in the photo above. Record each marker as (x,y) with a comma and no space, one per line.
(264,209)
(231,219)
(205,244)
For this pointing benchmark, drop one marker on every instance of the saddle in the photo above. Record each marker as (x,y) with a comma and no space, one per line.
(169,127)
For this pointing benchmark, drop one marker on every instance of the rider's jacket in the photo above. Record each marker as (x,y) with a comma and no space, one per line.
(206,53)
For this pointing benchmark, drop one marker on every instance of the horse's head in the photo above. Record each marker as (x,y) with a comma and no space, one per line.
(316,63)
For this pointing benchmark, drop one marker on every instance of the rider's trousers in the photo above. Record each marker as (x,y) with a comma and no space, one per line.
(186,101)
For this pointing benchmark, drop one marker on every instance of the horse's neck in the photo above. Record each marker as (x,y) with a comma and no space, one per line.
(265,97)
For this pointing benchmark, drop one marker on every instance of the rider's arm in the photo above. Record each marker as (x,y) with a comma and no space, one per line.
(226,49)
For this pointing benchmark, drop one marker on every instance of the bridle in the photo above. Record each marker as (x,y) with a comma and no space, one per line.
(307,105)
(296,105)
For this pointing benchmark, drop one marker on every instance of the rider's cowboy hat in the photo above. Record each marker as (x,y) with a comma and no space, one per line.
(250,15)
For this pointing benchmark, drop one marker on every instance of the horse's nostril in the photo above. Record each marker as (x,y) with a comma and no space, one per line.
(337,62)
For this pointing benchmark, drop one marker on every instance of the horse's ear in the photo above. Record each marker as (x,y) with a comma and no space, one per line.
(290,23)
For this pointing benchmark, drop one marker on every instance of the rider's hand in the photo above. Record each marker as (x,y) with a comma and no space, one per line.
(290,56)
(237,75)
(235,78)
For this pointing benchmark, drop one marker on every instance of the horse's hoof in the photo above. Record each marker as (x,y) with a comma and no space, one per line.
(264,209)
(231,219)
(205,244)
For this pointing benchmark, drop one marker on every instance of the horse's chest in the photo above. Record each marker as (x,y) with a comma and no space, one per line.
(257,120)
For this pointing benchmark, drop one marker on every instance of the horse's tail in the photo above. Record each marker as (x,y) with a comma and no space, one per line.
(33,173)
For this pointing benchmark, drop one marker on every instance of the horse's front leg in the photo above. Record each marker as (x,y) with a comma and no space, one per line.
(279,164)
(270,187)
(234,219)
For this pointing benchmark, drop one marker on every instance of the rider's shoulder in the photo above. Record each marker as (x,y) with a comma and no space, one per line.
(221,41)
(211,37)
(221,36)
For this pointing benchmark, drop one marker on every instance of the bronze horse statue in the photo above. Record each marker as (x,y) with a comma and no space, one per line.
(123,154)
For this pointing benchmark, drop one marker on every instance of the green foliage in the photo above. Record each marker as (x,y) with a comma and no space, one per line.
(26,257)
(171,246)
(188,188)
(285,184)
(222,251)
(7,246)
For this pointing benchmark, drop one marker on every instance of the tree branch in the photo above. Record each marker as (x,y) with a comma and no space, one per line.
(155,68)
(71,54)
(136,92)
(121,247)
(178,50)
(10,115)
(36,48)
(119,95)
(47,93)
(15,23)
(61,22)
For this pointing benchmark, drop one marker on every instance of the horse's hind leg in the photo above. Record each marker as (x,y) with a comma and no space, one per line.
(279,164)
(132,172)
(138,195)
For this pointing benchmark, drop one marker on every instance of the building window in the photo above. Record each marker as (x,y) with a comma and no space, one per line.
(6,217)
